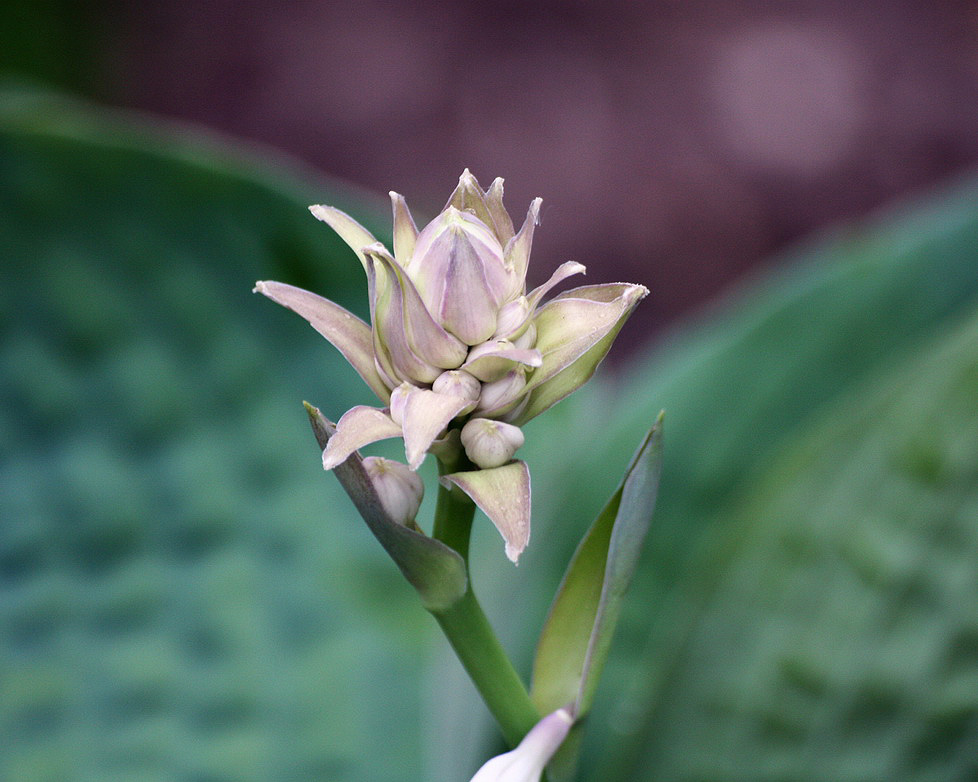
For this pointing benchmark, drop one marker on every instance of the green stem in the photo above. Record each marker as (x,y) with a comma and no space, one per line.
(484,659)
(453,520)
(472,637)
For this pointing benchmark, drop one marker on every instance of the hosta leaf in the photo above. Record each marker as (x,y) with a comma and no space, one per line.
(182,593)
(575,640)
(833,625)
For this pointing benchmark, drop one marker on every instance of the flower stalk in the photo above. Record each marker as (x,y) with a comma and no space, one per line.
(471,635)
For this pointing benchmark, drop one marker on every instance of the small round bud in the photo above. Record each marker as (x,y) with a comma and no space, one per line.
(498,395)
(512,318)
(400,490)
(459,384)
(490,443)
(398,399)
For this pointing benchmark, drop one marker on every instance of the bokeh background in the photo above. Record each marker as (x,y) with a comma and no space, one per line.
(674,143)
(184,596)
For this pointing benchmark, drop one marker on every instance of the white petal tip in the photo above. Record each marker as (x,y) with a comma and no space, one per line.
(636,293)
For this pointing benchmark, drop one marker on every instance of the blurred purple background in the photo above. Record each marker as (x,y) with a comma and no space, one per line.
(674,143)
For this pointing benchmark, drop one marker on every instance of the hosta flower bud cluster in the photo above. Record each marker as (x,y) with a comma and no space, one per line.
(459,352)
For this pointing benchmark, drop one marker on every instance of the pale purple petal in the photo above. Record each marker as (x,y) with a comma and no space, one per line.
(358,427)
(405,231)
(468,196)
(429,341)
(517,251)
(390,332)
(424,416)
(349,230)
(348,334)
(491,361)
(503,494)
(527,762)
(565,270)
(500,217)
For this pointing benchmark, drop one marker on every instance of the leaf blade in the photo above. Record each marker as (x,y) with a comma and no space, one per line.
(577,635)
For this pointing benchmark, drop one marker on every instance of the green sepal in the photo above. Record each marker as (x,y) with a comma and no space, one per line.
(577,635)
(437,572)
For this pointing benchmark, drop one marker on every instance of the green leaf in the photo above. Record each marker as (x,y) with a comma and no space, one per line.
(576,638)
(832,630)
(184,596)
(433,569)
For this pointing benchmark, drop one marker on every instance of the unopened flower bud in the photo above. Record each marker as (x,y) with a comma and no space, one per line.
(498,396)
(493,359)
(398,399)
(490,443)
(527,761)
(400,490)
(512,318)
(459,384)
(459,271)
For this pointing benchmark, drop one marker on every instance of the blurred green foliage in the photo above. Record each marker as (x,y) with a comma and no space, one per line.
(57,42)
(185,596)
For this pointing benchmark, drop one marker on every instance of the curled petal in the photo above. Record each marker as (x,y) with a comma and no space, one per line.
(491,360)
(574,333)
(500,217)
(405,231)
(565,270)
(348,334)
(517,251)
(389,317)
(358,427)
(527,761)
(503,494)
(426,339)
(349,230)
(424,416)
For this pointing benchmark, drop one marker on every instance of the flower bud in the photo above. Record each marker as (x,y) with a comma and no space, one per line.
(512,318)
(459,271)
(527,761)
(499,395)
(400,490)
(490,443)
(398,400)
(460,384)
(493,359)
